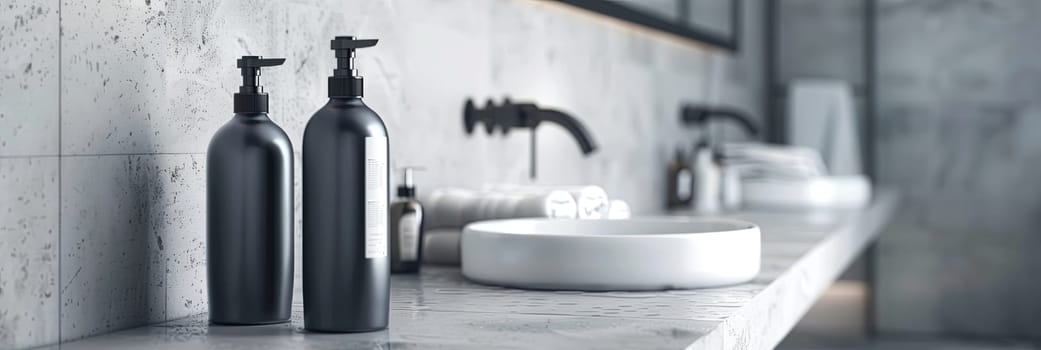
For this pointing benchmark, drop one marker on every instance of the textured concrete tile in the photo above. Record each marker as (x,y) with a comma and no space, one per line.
(152,76)
(28,252)
(298,218)
(423,73)
(112,80)
(175,190)
(29,77)
(112,269)
(134,241)
(302,33)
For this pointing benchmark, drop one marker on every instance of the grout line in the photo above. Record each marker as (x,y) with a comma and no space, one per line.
(61,293)
(166,288)
(31,156)
(81,155)
(84,155)
(132,154)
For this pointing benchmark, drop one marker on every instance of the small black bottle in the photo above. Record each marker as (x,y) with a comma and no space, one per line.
(406,228)
(346,268)
(249,204)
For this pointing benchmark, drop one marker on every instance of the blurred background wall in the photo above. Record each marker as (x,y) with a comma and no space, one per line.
(959,110)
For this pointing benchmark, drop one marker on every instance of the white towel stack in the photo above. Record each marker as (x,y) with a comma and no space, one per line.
(755,160)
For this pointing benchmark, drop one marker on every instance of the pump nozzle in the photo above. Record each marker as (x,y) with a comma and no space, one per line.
(251,97)
(345,81)
(407,187)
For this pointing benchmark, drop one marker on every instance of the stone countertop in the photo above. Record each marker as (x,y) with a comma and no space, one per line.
(803,253)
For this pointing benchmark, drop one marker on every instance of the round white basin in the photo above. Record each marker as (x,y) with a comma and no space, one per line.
(598,255)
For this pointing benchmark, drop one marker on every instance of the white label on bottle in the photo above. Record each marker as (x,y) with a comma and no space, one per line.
(376,194)
(408,237)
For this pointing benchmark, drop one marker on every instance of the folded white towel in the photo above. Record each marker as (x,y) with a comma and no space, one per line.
(758,160)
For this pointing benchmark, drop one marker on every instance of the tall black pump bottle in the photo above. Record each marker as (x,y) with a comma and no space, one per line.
(346,268)
(249,204)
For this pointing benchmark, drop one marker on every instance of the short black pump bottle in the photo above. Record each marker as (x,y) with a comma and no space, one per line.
(406,227)
(346,268)
(249,204)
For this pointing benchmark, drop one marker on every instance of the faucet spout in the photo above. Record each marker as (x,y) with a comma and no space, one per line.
(525,115)
(509,115)
(536,116)
(699,115)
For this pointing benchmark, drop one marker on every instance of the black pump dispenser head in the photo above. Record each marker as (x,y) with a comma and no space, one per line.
(407,187)
(251,97)
(345,81)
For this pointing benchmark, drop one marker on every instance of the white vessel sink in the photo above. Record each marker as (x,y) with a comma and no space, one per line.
(835,192)
(598,255)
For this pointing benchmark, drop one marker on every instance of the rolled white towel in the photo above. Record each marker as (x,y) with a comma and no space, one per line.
(619,209)
(592,201)
(552,204)
(454,208)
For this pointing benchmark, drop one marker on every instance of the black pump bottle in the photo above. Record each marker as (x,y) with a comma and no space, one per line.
(406,227)
(346,268)
(249,204)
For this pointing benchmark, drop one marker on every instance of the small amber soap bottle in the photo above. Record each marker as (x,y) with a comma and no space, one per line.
(406,227)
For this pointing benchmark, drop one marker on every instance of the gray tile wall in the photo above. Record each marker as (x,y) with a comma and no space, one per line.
(29,173)
(101,207)
(959,117)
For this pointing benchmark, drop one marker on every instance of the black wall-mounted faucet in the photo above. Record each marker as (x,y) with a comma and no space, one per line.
(699,115)
(510,115)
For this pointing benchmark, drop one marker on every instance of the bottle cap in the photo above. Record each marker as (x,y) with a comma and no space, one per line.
(407,188)
(251,97)
(345,81)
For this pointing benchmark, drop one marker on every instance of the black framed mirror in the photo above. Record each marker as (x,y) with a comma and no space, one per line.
(713,22)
